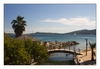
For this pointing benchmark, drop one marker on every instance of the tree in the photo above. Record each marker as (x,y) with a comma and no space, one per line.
(86,45)
(21,52)
(14,52)
(40,53)
(18,26)
(92,46)
(7,48)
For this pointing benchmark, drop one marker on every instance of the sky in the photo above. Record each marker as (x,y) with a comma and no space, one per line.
(54,18)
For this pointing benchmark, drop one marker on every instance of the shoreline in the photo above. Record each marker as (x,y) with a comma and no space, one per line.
(88,49)
(86,59)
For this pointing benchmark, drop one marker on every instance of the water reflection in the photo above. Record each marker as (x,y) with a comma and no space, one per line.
(60,56)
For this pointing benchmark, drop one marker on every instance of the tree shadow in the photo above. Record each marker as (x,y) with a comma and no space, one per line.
(89,62)
(82,56)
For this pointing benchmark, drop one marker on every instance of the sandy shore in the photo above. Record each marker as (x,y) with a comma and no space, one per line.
(86,59)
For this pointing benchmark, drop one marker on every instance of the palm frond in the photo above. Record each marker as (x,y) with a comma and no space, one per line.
(92,45)
(14,21)
(18,25)
(19,18)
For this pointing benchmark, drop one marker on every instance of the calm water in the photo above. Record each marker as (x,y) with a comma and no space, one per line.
(60,56)
(64,38)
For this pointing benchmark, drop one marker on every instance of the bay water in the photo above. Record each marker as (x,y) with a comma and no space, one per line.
(81,39)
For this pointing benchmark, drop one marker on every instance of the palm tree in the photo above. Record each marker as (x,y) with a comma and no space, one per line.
(92,46)
(18,26)
(86,45)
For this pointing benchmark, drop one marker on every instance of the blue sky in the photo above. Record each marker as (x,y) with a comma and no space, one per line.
(58,18)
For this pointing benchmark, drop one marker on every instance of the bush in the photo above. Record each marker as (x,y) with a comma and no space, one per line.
(20,52)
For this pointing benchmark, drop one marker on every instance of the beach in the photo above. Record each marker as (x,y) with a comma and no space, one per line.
(86,59)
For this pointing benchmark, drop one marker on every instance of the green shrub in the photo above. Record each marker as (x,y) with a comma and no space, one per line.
(20,52)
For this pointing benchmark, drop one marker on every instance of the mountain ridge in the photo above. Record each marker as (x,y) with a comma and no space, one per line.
(84,31)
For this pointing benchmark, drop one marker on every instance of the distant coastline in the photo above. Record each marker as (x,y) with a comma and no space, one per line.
(82,32)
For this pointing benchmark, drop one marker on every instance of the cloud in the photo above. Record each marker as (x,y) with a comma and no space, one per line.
(72,21)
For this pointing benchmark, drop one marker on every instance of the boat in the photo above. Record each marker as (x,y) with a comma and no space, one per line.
(74,33)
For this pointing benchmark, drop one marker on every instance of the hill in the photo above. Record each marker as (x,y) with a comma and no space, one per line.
(83,32)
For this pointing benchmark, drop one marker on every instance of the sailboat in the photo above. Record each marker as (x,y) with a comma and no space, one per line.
(74,33)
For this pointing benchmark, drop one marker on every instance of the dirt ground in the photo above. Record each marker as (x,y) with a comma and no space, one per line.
(86,59)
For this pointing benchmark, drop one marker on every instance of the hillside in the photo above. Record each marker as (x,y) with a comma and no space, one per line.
(93,32)
(83,32)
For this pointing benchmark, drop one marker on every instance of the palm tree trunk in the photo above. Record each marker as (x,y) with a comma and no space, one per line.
(86,45)
(18,33)
(92,55)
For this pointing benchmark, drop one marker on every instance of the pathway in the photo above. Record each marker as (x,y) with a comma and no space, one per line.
(86,59)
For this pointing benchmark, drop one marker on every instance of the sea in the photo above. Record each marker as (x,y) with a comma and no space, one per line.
(80,38)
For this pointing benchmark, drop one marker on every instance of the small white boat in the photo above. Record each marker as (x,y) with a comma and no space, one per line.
(74,33)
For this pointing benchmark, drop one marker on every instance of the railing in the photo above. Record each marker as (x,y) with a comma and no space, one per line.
(64,50)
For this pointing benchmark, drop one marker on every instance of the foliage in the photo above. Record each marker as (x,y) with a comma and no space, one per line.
(40,53)
(92,46)
(18,25)
(20,52)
